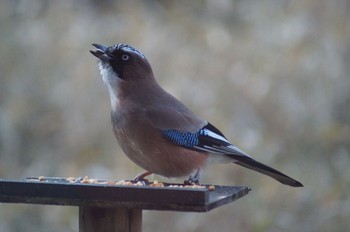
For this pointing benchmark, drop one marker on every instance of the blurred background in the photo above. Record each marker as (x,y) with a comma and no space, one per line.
(272,75)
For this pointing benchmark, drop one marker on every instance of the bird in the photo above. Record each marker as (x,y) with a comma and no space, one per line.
(158,132)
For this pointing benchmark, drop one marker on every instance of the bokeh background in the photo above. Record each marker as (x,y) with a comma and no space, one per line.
(273,75)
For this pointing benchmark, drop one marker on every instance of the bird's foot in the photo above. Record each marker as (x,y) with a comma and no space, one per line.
(191,182)
(141,177)
(194,179)
(78,179)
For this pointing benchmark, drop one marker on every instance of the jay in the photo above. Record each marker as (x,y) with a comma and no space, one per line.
(157,131)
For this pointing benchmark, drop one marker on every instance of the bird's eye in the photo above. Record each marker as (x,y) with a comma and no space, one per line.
(125,57)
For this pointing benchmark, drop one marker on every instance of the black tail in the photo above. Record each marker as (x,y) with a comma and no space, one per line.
(264,169)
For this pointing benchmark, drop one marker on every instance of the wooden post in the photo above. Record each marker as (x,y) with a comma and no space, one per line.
(96,219)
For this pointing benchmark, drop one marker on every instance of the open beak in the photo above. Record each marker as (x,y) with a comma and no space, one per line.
(100,52)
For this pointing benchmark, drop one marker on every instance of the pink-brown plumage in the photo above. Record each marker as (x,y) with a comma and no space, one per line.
(158,132)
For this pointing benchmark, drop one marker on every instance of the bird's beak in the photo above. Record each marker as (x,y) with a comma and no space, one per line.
(100,52)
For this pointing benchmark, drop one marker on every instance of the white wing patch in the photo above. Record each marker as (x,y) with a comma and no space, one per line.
(226,148)
(214,135)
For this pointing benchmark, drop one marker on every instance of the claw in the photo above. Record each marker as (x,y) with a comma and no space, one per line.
(141,177)
(194,179)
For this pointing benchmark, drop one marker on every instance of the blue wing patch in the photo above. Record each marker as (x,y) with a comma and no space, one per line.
(207,136)
(185,139)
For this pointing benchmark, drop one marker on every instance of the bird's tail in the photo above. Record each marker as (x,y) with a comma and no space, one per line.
(264,169)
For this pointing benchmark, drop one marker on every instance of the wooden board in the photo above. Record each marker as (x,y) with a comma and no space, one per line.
(131,197)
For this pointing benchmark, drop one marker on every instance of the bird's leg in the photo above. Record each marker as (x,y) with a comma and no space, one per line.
(194,179)
(141,177)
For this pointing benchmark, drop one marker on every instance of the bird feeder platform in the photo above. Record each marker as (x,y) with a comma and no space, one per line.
(107,207)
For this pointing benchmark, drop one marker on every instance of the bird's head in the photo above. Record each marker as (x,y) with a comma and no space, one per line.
(123,62)
(125,71)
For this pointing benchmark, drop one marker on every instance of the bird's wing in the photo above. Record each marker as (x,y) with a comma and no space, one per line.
(210,139)
(182,127)
(207,139)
